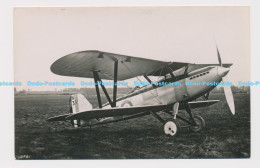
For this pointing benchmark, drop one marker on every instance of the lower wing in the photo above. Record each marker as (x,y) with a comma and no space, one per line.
(102,113)
(198,104)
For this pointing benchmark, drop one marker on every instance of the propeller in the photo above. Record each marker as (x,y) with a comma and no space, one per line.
(229,97)
(219,58)
(227,88)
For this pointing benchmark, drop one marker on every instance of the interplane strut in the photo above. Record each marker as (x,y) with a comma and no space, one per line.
(98,79)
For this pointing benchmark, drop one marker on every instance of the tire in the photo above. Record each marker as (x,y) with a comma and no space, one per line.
(171,128)
(200,124)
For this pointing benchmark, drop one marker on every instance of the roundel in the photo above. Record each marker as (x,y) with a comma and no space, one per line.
(127,103)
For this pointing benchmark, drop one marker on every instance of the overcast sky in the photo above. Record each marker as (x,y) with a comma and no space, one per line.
(181,34)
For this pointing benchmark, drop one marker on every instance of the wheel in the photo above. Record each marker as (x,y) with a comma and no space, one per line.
(171,128)
(200,124)
(75,123)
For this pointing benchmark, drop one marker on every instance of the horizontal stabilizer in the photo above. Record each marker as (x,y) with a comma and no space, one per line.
(59,118)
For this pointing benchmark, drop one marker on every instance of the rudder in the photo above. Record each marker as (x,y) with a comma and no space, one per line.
(78,103)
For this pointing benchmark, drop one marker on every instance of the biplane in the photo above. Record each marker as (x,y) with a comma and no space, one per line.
(146,100)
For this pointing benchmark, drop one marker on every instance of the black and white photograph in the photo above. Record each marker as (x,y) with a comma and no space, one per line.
(132,82)
(112,83)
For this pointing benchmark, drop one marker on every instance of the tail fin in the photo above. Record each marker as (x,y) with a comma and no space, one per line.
(78,103)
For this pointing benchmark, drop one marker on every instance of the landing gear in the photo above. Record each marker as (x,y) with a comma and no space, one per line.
(200,124)
(195,123)
(171,127)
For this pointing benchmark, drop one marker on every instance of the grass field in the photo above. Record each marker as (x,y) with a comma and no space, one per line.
(225,135)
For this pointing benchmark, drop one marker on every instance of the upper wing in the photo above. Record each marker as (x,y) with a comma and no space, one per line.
(101,113)
(182,68)
(82,64)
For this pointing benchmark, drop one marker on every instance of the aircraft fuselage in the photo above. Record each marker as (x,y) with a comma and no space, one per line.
(196,84)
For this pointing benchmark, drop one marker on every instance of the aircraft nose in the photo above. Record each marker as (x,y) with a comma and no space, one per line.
(222,71)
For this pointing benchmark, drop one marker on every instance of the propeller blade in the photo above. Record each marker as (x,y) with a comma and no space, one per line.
(227,89)
(219,58)
(229,98)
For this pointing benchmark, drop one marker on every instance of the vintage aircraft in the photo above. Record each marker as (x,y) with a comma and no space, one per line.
(146,100)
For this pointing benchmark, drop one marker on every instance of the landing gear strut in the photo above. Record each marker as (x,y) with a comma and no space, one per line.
(197,123)
(171,127)
(200,124)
